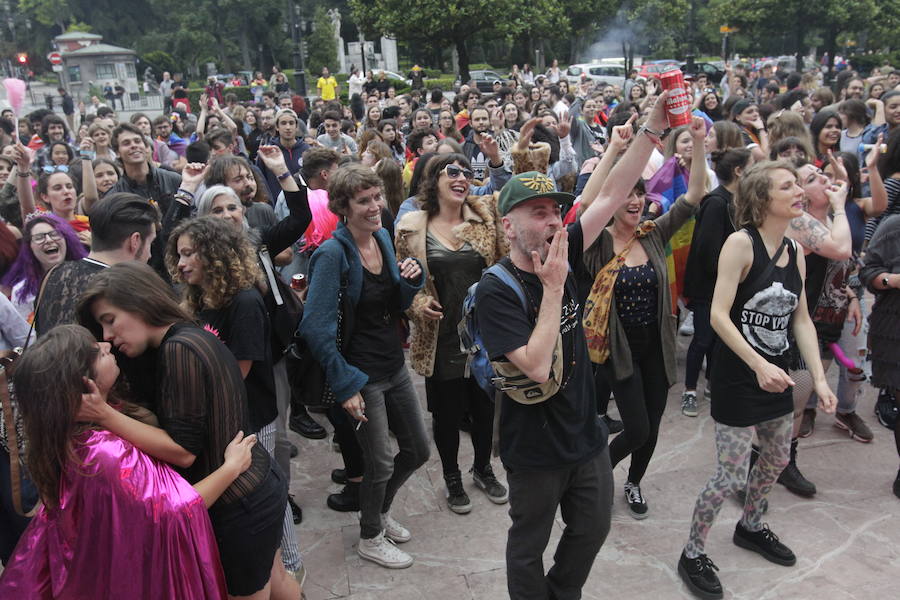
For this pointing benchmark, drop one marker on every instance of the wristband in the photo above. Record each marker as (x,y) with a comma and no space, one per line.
(184,192)
(25,174)
(283,176)
(839,213)
(648,131)
(87,154)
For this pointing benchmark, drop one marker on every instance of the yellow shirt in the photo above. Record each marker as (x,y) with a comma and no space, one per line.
(327,87)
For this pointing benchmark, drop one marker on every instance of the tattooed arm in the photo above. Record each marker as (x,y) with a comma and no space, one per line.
(817,238)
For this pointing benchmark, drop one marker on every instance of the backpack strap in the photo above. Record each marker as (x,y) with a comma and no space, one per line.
(506,276)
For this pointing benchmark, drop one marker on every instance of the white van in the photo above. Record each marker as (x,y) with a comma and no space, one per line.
(611,74)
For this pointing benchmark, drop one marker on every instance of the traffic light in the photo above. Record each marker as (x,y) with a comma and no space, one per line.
(22,58)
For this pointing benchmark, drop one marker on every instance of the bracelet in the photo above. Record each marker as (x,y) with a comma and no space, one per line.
(283,176)
(648,131)
(25,174)
(88,155)
(184,192)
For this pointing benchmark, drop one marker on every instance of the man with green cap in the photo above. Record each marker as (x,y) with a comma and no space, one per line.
(555,451)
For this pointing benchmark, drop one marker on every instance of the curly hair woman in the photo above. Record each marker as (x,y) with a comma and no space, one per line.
(218,267)
(160,534)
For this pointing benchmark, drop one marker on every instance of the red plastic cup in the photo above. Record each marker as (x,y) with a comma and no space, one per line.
(679,101)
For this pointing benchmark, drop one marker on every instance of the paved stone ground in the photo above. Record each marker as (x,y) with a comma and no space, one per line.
(847,538)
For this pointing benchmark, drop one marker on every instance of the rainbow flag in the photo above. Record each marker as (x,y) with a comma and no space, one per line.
(665,187)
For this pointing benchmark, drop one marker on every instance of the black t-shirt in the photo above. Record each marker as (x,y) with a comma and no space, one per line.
(243,325)
(826,295)
(375,346)
(564,430)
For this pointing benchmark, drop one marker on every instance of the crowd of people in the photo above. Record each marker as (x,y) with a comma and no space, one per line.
(188,287)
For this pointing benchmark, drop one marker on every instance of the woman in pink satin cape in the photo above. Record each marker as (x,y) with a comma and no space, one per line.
(115,523)
(127,526)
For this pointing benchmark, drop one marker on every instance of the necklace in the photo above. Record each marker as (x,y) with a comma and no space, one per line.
(377,267)
(574,334)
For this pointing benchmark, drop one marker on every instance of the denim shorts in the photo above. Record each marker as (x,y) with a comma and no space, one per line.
(248,533)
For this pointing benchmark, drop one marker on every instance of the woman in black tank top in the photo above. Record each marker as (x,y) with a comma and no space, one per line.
(758,295)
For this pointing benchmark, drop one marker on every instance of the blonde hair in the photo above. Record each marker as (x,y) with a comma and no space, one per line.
(751,202)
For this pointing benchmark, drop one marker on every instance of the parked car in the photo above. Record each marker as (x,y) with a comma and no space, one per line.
(712,72)
(608,73)
(484,80)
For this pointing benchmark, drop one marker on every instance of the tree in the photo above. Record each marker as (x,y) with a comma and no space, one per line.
(322,44)
(451,22)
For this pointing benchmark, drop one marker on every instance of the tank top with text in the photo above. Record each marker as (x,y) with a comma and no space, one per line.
(762,311)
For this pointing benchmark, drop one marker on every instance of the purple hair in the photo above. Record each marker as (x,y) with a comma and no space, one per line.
(28,268)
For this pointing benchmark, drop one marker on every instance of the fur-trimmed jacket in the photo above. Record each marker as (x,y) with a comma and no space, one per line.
(482,229)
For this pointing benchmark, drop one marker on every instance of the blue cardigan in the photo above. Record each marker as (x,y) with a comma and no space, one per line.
(334,260)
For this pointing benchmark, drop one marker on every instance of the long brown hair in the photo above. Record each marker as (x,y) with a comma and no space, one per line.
(135,288)
(48,381)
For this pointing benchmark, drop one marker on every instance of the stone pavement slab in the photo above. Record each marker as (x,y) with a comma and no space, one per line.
(847,538)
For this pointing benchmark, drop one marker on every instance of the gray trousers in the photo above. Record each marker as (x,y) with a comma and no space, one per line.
(584,495)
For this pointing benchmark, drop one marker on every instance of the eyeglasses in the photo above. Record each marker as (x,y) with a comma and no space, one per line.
(56,168)
(454,171)
(52,236)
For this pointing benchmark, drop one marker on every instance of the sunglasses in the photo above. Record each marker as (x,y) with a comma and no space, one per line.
(454,171)
(40,238)
(56,169)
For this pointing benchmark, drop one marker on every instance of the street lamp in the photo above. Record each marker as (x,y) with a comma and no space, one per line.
(297,53)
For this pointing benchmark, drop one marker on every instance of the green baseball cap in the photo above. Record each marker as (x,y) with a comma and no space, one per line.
(527,186)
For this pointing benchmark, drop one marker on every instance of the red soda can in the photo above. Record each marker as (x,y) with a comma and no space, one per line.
(678,103)
(298,282)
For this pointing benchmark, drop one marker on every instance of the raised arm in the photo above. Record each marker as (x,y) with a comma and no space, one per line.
(88,181)
(624,174)
(617,144)
(223,116)
(834,243)
(877,203)
(23,180)
(697,183)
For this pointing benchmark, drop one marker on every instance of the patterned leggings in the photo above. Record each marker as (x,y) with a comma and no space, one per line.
(733,449)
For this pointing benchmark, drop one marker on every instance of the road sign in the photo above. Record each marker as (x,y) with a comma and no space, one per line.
(55,58)
(57,68)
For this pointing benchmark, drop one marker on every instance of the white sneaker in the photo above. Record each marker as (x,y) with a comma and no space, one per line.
(393,530)
(382,551)
(687,326)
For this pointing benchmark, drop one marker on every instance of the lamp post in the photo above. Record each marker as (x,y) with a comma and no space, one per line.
(297,53)
(692,26)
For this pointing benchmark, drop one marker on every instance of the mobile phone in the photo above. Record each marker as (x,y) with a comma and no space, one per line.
(299,176)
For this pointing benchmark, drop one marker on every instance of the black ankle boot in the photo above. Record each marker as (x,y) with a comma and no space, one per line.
(305,425)
(793,479)
(347,500)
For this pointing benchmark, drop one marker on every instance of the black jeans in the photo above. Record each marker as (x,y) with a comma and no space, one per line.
(448,401)
(584,495)
(601,386)
(641,399)
(701,345)
(354,464)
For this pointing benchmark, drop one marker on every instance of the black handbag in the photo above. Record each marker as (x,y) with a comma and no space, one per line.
(306,375)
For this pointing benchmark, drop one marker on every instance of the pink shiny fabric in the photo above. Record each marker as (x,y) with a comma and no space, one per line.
(128,526)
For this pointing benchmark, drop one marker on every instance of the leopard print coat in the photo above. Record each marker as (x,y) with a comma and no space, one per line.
(482,229)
